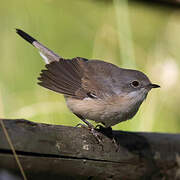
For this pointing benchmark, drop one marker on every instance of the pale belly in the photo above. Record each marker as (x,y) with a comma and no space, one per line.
(104,111)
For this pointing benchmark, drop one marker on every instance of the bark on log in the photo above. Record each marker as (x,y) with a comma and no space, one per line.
(60,152)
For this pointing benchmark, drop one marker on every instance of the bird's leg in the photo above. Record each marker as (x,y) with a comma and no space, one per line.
(90,127)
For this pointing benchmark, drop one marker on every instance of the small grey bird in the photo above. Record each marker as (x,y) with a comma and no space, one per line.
(93,89)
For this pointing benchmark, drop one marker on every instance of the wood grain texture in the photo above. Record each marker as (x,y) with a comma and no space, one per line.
(60,152)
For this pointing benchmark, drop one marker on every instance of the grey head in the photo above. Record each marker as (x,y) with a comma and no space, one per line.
(132,81)
(134,86)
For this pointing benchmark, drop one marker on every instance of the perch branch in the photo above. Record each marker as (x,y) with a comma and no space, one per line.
(60,152)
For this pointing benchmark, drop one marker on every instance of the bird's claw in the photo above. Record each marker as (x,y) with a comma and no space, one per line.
(96,134)
(93,131)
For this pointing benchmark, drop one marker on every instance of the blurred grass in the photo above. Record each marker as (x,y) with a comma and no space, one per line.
(145,37)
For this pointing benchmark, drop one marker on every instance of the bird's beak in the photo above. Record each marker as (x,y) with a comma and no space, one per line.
(153,86)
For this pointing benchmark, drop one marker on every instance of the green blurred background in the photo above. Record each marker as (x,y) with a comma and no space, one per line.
(135,35)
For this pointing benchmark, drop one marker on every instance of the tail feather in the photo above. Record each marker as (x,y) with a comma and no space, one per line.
(25,36)
(46,54)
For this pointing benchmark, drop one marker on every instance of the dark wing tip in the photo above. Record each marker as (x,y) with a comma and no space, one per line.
(25,36)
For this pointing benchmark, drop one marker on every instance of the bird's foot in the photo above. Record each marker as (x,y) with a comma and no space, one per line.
(97,135)
(93,131)
(109,133)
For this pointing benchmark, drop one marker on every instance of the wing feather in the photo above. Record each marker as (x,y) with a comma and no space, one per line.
(64,76)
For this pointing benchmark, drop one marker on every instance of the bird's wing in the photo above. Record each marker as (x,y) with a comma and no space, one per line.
(76,78)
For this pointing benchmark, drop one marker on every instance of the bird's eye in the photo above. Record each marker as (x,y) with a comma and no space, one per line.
(135,84)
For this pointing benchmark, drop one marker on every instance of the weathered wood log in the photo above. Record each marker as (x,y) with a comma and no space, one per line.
(60,152)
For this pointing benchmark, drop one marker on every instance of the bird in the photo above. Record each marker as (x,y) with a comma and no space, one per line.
(93,89)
